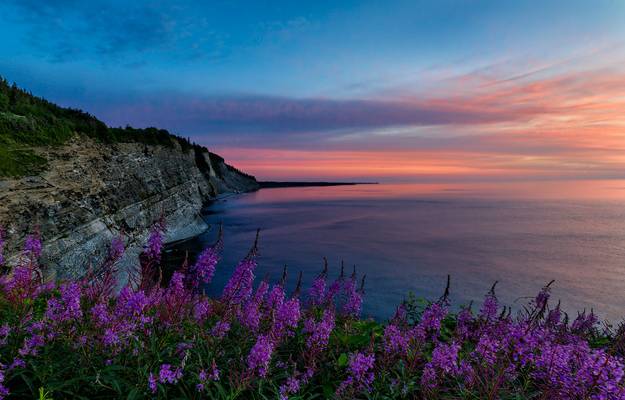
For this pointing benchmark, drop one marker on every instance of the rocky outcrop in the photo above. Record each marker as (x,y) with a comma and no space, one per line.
(92,192)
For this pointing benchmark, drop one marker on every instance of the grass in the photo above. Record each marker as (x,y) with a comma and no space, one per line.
(28,121)
(16,162)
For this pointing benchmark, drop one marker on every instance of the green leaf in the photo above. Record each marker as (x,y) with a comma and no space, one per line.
(328,391)
(133,394)
(342,360)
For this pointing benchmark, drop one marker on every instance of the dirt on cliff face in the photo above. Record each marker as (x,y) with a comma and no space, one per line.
(91,192)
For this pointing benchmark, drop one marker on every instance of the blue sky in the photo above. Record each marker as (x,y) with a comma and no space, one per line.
(327,81)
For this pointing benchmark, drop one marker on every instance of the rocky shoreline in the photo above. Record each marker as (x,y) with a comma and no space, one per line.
(92,192)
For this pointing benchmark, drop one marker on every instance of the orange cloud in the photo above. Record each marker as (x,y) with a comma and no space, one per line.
(565,126)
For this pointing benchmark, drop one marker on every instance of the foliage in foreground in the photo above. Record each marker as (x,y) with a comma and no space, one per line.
(81,339)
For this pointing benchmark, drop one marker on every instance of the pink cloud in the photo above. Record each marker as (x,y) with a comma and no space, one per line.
(566,126)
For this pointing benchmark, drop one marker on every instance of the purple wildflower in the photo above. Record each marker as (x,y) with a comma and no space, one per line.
(395,342)
(250,315)
(167,375)
(287,317)
(110,337)
(214,374)
(31,345)
(5,331)
(240,286)
(260,355)
(445,357)
(360,375)
(116,251)
(444,362)
(182,349)
(353,299)
(68,307)
(433,316)
(540,302)
(291,386)
(430,322)
(32,247)
(220,329)
(17,363)
(463,323)
(275,298)
(127,317)
(204,377)
(400,314)
(466,372)
(333,290)
(541,349)
(132,304)
(152,383)
(317,291)
(201,273)
(20,285)
(601,375)
(428,378)
(154,247)
(319,332)
(554,366)
(554,316)
(584,323)
(175,298)
(486,349)
(489,308)
(201,310)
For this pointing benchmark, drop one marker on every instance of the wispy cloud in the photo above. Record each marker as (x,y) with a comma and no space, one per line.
(292,115)
(318,89)
(569,125)
(589,101)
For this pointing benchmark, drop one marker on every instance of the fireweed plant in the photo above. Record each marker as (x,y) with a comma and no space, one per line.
(88,339)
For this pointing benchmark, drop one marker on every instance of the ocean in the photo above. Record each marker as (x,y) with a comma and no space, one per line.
(409,237)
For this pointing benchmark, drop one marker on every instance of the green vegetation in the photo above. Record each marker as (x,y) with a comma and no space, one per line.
(28,122)
(167,339)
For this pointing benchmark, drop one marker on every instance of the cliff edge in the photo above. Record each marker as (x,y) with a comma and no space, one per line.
(96,183)
(92,192)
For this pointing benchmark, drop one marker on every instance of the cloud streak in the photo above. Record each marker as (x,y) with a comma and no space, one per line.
(548,111)
(291,115)
(230,78)
(567,126)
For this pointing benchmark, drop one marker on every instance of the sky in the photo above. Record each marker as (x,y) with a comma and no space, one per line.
(396,91)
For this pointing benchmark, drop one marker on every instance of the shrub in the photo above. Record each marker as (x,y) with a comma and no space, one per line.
(28,121)
(83,339)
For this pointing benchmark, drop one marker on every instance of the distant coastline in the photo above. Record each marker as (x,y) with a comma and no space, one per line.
(276,184)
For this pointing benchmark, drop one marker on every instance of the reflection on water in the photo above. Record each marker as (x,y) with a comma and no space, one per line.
(409,237)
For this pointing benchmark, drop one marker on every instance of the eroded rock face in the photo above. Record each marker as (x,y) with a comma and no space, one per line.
(92,192)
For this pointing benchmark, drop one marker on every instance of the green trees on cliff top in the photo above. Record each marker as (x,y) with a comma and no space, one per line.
(28,121)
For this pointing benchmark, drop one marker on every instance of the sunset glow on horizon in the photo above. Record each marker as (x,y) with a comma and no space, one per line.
(563,127)
(477,91)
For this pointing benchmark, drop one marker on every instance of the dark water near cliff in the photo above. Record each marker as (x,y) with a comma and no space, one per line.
(409,237)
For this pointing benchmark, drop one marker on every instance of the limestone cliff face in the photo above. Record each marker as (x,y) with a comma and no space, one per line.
(92,192)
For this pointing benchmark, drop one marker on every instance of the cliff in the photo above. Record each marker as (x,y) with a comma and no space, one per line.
(91,192)
(81,183)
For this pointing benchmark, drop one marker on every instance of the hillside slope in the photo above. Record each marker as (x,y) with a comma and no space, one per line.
(81,183)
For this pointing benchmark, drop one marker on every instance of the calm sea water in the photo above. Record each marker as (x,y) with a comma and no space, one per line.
(409,237)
